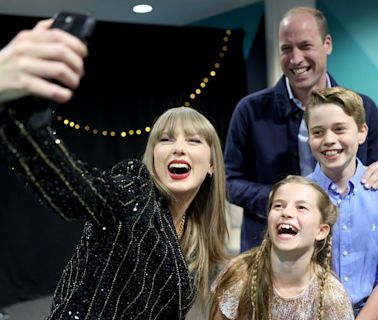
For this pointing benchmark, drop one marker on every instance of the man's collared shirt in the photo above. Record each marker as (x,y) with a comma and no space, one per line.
(306,159)
(355,235)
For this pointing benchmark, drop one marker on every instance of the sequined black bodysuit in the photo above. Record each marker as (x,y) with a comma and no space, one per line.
(128,263)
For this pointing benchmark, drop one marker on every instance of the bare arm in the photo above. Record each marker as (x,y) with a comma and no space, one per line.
(369,311)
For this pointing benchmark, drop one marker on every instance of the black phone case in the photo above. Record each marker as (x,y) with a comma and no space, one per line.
(79,25)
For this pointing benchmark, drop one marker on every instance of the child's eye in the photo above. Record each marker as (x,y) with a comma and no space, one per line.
(316,133)
(340,129)
(277,206)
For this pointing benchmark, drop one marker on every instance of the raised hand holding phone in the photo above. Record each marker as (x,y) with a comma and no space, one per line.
(78,25)
(44,63)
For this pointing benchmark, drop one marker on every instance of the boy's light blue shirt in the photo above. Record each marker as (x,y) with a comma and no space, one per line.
(355,235)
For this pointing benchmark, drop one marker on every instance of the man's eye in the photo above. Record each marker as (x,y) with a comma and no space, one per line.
(306,46)
(285,49)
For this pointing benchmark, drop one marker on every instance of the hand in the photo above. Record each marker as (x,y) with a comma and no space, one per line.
(370,176)
(35,57)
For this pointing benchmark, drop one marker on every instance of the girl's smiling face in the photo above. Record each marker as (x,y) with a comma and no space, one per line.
(294,220)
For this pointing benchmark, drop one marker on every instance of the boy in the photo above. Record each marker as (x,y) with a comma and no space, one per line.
(335,119)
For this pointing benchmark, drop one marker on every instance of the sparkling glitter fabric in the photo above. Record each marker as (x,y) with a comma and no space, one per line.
(337,305)
(128,263)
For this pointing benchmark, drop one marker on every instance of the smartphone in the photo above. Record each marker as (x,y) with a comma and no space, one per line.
(79,25)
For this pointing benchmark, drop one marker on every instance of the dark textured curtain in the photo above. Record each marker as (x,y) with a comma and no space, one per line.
(133,74)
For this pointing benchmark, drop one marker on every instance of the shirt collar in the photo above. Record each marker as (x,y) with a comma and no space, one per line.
(327,184)
(291,95)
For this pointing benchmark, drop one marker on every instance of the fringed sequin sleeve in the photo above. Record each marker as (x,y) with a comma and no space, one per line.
(228,301)
(337,304)
(69,187)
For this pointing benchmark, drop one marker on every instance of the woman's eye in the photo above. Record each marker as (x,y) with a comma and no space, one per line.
(164,139)
(195,140)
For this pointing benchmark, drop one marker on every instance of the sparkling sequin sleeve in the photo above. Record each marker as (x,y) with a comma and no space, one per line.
(337,305)
(228,301)
(68,186)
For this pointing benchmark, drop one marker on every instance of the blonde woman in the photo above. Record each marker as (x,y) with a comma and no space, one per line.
(154,229)
(288,276)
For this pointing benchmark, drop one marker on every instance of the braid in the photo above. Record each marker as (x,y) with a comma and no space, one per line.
(254,281)
(326,267)
(256,272)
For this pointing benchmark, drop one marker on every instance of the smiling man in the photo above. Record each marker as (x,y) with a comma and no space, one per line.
(267,137)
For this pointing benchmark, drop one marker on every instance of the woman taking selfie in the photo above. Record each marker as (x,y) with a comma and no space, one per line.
(154,229)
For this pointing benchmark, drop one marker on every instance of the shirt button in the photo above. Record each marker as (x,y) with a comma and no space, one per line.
(345,227)
(346,279)
(345,253)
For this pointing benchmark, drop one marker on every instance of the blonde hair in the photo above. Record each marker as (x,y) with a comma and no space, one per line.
(204,240)
(319,17)
(255,265)
(351,103)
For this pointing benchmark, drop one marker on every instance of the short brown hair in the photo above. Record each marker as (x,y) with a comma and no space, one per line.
(351,103)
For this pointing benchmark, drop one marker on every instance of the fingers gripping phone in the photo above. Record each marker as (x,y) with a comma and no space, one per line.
(79,25)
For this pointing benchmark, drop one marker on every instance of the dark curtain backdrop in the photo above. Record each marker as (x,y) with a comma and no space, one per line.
(133,73)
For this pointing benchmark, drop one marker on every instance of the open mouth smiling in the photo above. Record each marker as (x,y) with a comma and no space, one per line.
(287,229)
(179,167)
(331,153)
(298,71)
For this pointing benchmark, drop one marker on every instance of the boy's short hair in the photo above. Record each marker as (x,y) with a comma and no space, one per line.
(348,100)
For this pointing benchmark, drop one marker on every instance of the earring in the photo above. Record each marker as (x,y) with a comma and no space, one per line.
(210,174)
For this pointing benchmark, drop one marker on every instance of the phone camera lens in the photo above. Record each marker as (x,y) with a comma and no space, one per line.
(68,19)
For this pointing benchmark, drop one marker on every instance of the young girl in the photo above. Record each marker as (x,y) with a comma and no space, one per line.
(288,276)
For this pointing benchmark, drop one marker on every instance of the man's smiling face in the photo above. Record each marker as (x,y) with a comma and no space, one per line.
(303,52)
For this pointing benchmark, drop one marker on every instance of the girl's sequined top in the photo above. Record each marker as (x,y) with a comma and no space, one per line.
(128,263)
(337,304)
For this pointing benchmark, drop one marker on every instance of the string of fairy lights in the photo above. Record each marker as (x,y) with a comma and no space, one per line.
(206,79)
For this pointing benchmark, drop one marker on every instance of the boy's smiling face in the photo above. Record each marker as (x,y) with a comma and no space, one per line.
(334,139)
